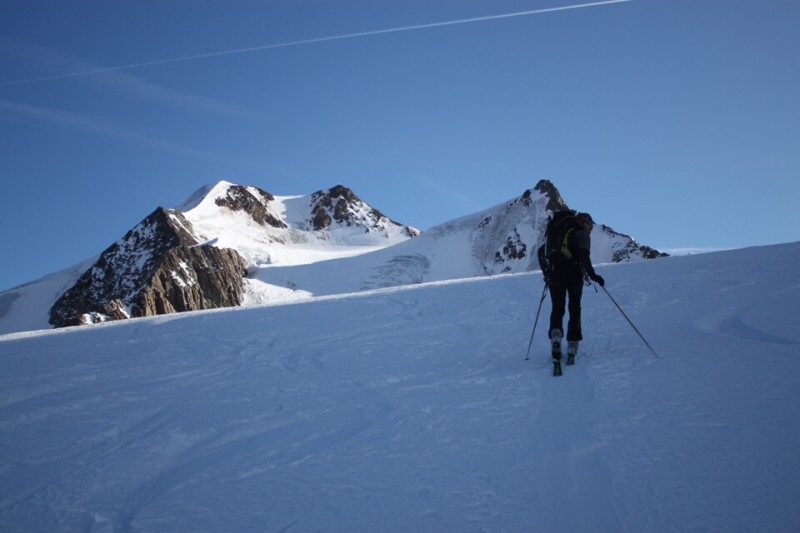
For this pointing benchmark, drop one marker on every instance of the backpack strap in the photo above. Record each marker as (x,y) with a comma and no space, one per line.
(565,244)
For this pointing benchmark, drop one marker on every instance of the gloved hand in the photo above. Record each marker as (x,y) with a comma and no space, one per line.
(598,279)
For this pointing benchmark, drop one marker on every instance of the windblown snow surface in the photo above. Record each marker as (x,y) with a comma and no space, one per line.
(414,409)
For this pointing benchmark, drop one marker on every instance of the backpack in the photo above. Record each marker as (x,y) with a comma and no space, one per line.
(555,249)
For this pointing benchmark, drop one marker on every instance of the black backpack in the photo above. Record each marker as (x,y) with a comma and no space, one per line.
(555,249)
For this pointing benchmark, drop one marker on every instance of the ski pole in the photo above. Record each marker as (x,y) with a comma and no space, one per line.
(629,322)
(544,293)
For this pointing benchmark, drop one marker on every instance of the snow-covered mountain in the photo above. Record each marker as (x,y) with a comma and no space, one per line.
(230,245)
(267,229)
(197,256)
(413,409)
(499,240)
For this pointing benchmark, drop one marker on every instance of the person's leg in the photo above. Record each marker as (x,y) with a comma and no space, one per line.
(575,291)
(558,299)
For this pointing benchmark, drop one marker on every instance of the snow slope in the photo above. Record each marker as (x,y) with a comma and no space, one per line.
(27,307)
(413,409)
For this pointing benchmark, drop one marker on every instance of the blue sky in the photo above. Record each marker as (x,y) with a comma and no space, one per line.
(676,121)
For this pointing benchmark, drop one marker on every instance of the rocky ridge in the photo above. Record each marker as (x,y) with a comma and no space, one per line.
(158,267)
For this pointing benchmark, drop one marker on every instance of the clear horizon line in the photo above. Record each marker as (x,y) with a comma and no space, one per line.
(309,41)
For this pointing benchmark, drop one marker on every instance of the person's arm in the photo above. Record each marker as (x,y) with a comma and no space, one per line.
(582,248)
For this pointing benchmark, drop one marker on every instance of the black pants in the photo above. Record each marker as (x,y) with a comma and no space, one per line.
(567,282)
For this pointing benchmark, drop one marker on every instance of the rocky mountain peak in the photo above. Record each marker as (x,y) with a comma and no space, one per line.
(340,205)
(507,237)
(156,267)
(252,201)
(554,200)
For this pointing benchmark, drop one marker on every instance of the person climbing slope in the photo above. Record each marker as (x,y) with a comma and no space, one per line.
(566,260)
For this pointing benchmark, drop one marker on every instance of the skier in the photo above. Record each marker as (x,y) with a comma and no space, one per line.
(565,278)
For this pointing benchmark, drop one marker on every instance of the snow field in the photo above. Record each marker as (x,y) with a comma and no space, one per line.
(413,409)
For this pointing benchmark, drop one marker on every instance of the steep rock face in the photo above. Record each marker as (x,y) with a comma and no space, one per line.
(155,268)
(252,201)
(340,205)
(190,278)
(554,200)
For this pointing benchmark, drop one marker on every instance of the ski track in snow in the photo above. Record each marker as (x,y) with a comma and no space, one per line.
(414,409)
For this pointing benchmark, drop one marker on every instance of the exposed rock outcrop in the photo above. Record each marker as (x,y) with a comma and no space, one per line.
(252,201)
(554,200)
(156,268)
(625,248)
(342,206)
(190,278)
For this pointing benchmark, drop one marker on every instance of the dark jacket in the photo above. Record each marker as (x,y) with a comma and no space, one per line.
(557,267)
(580,244)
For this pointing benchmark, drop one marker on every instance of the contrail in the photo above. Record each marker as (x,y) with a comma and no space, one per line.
(311,41)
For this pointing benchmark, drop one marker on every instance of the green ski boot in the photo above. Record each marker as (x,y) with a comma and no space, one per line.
(572,351)
(555,344)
